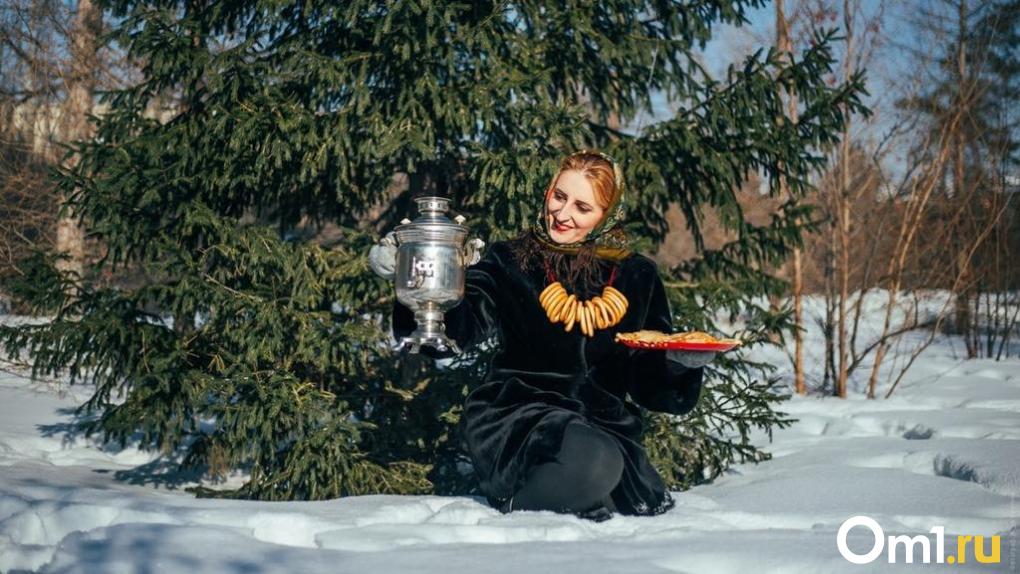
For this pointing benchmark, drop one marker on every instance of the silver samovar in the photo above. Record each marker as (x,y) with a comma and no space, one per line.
(430,269)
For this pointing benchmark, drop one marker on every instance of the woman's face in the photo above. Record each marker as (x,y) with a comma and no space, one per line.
(571,211)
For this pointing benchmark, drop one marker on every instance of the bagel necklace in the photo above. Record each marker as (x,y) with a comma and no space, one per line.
(599,312)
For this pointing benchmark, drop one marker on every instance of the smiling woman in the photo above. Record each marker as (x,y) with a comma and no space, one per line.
(579,195)
(551,427)
(572,207)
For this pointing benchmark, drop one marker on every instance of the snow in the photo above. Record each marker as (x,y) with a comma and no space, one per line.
(943,450)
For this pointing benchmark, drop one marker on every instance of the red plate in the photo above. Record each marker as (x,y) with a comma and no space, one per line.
(720,346)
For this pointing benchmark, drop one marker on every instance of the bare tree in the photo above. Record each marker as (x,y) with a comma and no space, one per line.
(785,45)
(81,84)
(840,192)
(31,74)
(51,64)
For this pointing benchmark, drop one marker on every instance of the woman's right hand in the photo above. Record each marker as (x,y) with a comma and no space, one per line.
(382,257)
(691,359)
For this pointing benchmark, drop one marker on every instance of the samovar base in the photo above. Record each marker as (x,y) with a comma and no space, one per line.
(430,332)
(414,343)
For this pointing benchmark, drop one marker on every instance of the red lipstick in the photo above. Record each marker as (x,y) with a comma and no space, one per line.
(558,227)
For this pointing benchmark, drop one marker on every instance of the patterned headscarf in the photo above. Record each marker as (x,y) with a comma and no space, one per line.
(606,238)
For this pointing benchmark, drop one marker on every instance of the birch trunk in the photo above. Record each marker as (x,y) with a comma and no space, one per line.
(784,44)
(81,85)
(843,218)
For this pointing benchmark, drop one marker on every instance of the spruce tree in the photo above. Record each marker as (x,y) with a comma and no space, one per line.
(243,344)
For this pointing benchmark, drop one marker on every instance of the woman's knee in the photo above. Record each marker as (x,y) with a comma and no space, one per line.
(587,468)
(590,456)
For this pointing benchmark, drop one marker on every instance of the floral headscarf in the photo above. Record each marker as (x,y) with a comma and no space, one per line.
(606,238)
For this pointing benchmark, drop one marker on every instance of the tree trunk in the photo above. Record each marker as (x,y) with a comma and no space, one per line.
(830,311)
(784,44)
(964,318)
(81,86)
(843,219)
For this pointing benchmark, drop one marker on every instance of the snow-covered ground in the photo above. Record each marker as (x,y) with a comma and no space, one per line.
(943,451)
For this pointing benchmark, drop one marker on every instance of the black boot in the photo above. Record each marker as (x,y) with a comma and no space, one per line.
(598,514)
(609,504)
(507,505)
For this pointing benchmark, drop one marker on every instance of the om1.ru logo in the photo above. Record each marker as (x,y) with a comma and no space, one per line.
(908,545)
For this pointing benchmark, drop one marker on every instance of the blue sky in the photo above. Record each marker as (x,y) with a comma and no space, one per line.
(890,70)
(729,44)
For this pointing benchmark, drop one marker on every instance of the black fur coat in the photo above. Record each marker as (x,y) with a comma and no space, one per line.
(542,377)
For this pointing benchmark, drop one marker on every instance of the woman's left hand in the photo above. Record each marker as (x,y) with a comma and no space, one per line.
(690,359)
(473,251)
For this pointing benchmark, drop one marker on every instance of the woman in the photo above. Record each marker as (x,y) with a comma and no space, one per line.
(550,427)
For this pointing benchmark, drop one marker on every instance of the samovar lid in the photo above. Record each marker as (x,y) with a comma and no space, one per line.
(433,220)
